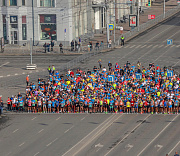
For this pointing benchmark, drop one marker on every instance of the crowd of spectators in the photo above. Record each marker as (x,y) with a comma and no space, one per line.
(91,91)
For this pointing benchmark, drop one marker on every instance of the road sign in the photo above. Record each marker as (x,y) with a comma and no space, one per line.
(169,73)
(169,41)
(111,26)
(65,30)
(151,16)
(148,4)
(111,78)
(138,76)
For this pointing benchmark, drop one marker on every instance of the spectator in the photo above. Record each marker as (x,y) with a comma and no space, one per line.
(176,154)
(109,43)
(27,80)
(97,45)
(61,47)
(45,46)
(102,45)
(110,65)
(52,45)
(48,47)
(91,45)
(72,45)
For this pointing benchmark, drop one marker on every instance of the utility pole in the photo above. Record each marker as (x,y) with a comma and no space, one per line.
(138,14)
(31,48)
(33,20)
(164,8)
(114,21)
(107,22)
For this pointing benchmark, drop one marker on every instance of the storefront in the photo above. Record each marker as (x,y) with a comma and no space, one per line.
(48,27)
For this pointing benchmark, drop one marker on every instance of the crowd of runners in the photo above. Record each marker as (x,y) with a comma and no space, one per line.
(92,91)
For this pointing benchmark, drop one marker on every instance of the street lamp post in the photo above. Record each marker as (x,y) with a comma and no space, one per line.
(164,8)
(33,20)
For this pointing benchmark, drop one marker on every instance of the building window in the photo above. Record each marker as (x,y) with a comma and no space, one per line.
(4,27)
(47,3)
(14,21)
(23,2)
(13,2)
(24,28)
(4,2)
(48,27)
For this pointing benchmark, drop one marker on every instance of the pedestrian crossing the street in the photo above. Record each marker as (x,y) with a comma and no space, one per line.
(151,46)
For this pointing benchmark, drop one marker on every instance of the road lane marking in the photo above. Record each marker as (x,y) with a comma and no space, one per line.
(16,74)
(132,46)
(33,118)
(178,46)
(138,46)
(176,63)
(157,135)
(36,154)
(174,147)
(101,130)
(126,46)
(161,55)
(21,144)
(68,129)
(51,142)
(161,32)
(8,75)
(127,135)
(143,46)
(58,118)
(84,117)
(15,130)
(4,64)
(129,146)
(41,130)
(161,46)
(149,46)
(155,46)
(1,76)
(23,73)
(171,36)
(83,139)
(158,146)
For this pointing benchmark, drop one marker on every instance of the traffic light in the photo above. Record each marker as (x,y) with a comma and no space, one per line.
(148,4)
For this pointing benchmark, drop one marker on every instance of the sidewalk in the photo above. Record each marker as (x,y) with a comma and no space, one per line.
(155,9)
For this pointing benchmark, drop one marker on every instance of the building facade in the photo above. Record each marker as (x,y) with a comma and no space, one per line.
(43,20)
(58,20)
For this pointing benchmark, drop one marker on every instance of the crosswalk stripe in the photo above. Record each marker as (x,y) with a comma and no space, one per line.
(132,46)
(138,46)
(178,46)
(149,46)
(166,46)
(143,46)
(161,46)
(155,46)
(172,46)
(126,46)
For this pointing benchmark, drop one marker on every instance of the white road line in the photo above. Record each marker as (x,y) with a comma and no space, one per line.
(102,129)
(161,55)
(174,148)
(126,135)
(68,129)
(21,144)
(149,46)
(155,46)
(166,46)
(172,46)
(1,76)
(15,130)
(8,75)
(132,46)
(143,46)
(33,118)
(83,118)
(176,63)
(41,130)
(36,154)
(157,135)
(178,46)
(162,32)
(138,46)
(58,118)
(171,36)
(4,64)
(23,73)
(16,74)
(52,142)
(161,46)
(83,139)
(126,46)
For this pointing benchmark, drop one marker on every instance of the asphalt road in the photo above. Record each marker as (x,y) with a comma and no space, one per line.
(90,134)
(96,134)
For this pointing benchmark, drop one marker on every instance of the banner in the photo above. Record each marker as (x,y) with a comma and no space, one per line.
(132,20)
